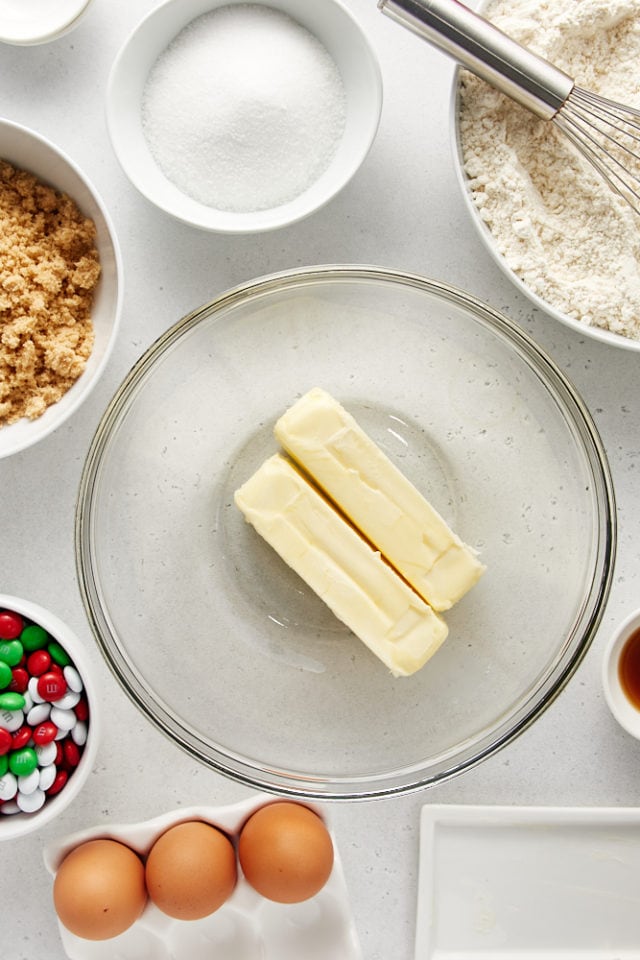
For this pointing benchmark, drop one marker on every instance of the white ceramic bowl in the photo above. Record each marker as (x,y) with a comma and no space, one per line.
(18,824)
(621,707)
(330,23)
(28,150)
(489,241)
(29,22)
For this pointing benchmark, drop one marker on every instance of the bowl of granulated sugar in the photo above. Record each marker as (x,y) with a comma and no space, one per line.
(242,117)
(550,222)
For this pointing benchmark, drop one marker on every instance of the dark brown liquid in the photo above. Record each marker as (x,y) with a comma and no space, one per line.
(629,668)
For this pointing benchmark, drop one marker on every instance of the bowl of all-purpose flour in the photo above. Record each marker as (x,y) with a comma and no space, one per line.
(243,116)
(551,223)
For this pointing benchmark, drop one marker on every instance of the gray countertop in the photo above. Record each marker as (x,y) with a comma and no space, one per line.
(402,210)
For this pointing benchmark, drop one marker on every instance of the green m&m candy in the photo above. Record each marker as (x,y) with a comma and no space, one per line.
(11,652)
(58,654)
(5,675)
(23,762)
(34,637)
(11,701)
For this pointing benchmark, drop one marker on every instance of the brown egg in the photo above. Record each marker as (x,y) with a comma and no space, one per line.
(191,870)
(99,890)
(285,852)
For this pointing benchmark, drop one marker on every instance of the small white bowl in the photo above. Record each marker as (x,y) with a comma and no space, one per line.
(29,22)
(18,824)
(342,37)
(621,707)
(26,149)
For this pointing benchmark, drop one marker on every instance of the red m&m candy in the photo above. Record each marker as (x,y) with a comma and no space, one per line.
(60,779)
(44,733)
(19,680)
(5,741)
(52,686)
(82,710)
(11,625)
(70,753)
(21,737)
(38,663)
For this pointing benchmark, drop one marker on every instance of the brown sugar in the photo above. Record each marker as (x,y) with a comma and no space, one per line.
(49,268)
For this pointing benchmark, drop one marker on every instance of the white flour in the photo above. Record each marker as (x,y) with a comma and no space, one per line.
(558,226)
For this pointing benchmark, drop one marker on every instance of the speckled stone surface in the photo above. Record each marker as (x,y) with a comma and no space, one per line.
(402,210)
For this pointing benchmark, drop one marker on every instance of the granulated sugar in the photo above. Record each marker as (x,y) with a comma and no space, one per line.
(558,226)
(244,109)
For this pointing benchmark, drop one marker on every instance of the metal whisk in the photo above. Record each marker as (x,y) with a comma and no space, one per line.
(606,133)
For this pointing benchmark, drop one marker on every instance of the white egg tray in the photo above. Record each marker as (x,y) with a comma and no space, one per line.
(246,927)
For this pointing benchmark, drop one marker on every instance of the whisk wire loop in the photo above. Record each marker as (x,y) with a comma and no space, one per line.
(607,134)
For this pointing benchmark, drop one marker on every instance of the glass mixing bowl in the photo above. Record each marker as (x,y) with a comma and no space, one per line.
(221,645)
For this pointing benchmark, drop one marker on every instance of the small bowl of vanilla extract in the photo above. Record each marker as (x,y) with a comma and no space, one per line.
(621,674)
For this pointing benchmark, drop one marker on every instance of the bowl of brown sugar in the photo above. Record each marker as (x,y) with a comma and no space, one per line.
(60,287)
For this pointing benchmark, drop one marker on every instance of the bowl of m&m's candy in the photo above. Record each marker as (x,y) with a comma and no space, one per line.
(48,716)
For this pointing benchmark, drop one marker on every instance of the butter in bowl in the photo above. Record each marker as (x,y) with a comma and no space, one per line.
(343,516)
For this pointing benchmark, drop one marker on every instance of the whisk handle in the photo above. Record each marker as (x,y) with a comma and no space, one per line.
(485,50)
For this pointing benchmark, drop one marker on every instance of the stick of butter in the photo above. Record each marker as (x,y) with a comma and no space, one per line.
(380,501)
(340,566)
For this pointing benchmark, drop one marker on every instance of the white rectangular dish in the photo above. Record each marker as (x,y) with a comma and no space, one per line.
(528,883)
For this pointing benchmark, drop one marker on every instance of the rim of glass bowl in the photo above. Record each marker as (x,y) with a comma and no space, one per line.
(598,334)
(453,762)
